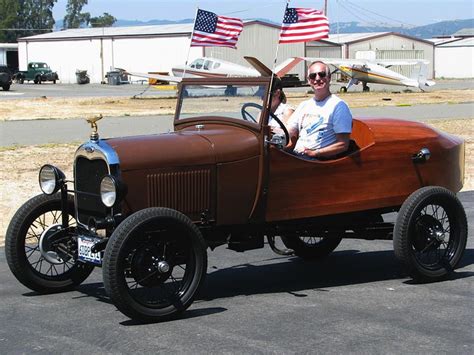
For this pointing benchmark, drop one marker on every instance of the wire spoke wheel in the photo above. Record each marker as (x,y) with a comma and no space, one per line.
(430,234)
(42,255)
(158,268)
(154,264)
(312,246)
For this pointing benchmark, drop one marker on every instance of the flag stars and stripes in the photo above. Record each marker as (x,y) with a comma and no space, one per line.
(303,25)
(211,30)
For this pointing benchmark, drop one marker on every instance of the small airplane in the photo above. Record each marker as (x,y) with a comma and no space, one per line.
(368,71)
(205,67)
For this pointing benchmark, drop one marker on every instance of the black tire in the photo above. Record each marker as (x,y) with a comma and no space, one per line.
(313,247)
(22,247)
(137,257)
(6,87)
(21,81)
(430,233)
(343,89)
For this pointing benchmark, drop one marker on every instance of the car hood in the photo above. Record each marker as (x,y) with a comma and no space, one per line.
(210,144)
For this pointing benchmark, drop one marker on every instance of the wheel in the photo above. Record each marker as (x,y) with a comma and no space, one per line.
(343,89)
(6,87)
(365,88)
(54,81)
(37,261)
(21,80)
(154,264)
(246,115)
(312,247)
(230,91)
(430,233)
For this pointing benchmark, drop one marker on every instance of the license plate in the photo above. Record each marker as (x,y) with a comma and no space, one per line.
(84,246)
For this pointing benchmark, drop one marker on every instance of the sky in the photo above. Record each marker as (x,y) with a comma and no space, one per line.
(393,12)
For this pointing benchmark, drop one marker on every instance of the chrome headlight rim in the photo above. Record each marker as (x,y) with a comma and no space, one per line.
(108,190)
(50,179)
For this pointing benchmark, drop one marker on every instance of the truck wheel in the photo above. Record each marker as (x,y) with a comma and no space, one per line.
(21,80)
(154,264)
(313,247)
(430,233)
(37,262)
(6,87)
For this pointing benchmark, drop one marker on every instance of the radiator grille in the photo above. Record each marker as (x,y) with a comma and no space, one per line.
(185,191)
(88,175)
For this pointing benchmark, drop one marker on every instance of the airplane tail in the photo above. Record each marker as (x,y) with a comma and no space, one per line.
(420,75)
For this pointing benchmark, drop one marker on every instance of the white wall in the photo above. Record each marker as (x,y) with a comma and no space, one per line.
(133,54)
(454,62)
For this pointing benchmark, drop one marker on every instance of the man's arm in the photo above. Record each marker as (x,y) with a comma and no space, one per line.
(293,135)
(340,146)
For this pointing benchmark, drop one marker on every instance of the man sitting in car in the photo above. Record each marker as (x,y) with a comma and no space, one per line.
(320,128)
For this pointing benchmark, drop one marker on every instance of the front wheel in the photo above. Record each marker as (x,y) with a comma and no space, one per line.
(154,264)
(6,87)
(430,233)
(37,257)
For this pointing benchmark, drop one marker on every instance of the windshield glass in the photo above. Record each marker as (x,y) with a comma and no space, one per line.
(238,102)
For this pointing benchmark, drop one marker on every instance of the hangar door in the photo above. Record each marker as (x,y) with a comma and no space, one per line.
(406,70)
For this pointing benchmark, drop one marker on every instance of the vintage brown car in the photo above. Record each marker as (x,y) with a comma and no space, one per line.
(147,208)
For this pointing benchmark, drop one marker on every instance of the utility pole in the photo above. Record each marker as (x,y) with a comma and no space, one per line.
(326,8)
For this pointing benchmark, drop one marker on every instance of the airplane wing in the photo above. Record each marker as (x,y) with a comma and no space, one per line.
(168,78)
(390,62)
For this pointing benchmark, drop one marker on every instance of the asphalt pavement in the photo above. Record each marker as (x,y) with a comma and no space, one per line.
(358,300)
(77,130)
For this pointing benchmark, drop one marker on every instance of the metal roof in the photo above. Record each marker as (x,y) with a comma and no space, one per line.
(132,31)
(342,38)
(129,31)
(465,42)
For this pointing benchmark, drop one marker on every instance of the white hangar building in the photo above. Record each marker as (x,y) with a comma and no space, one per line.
(159,48)
(375,45)
(145,49)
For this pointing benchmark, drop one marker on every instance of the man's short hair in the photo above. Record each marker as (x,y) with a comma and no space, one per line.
(328,70)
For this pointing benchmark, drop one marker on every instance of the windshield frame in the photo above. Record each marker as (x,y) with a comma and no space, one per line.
(247,81)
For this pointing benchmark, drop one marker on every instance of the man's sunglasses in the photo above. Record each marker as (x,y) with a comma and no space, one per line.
(322,74)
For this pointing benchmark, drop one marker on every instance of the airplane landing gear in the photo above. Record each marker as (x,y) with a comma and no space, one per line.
(365,88)
(343,89)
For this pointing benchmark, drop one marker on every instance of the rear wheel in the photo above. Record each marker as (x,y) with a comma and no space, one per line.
(154,264)
(6,87)
(312,247)
(39,257)
(430,233)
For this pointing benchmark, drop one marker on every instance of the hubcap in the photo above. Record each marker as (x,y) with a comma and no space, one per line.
(46,246)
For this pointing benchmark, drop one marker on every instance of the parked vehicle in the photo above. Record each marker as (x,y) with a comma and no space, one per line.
(147,208)
(5,78)
(37,72)
(82,77)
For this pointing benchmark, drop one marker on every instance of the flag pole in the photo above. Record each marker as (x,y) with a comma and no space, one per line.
(276,54)
(189,48)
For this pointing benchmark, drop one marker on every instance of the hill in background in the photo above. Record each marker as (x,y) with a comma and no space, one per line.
(444,28)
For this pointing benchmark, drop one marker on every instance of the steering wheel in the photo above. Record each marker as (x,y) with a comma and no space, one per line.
(247,117)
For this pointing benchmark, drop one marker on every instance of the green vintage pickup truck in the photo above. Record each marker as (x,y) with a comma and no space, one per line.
(38,72)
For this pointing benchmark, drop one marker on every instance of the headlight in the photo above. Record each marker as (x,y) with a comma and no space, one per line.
(50,179)
(108,191)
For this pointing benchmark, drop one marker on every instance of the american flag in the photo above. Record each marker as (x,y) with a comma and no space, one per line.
(303,25)
(211,30)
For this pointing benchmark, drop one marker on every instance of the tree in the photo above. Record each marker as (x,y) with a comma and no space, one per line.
(8,17)
(74,17)
(106,20)
(34,17)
